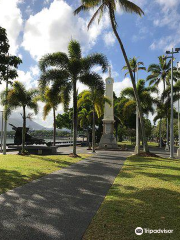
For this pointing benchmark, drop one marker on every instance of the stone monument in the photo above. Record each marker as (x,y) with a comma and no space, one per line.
(108,141)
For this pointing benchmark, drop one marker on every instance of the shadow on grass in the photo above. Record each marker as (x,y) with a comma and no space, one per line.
(10,179)
(57,206)
(127,207)
(153,208)
(60,162)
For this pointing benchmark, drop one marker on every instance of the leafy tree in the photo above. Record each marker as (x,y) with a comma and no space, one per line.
(85,119)
(18,96)
(111,7)
(51,100)
(8,72)
(128,103)
(65,120)
(69,69)
(96,99)
(4,47)
(145,96)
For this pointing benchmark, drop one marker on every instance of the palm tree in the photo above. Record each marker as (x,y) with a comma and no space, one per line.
(51,100)
(161,72)
(96,99)
(111,6)
(84,117)
(70,68)
(18,96)
(135,66)
(145,96)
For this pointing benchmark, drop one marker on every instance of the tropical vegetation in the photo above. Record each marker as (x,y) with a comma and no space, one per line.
(61,68)
(19,96)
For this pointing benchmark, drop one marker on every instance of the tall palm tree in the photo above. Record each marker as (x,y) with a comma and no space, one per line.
(111,6)
(60,68)
(51,100)
(18,96)
(96,99)
(135,66)
(161,72)
(85,118)
(145,96)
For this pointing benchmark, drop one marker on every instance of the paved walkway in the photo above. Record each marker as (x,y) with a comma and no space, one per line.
(62,204)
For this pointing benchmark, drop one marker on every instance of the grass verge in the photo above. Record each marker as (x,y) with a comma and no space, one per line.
(16,170)
(145,194)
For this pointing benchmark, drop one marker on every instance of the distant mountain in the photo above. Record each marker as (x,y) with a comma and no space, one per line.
(16,120)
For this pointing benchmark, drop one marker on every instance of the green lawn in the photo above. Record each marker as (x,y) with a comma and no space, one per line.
(145,194)
(129,144)
(16,170)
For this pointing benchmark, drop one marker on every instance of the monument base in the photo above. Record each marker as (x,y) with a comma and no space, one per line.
(178,152)
(108,141)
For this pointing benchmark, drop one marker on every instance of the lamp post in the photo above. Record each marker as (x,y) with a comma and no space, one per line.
(5,111)
(2,121)
(178,150)
(171,56)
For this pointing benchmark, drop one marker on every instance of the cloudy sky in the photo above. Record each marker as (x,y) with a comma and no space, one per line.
(37,27)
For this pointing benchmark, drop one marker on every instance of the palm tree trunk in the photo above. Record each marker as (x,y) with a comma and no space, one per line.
(24,130)
(93,131)
(75,117)
(54,130)
(145,146)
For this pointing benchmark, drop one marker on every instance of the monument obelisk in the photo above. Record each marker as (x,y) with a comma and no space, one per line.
(108,140)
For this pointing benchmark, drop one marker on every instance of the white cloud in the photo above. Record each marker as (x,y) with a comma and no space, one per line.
(46,2)
(109,39)
(29,78)
(167,4)
(52,28)
(35,70)
(119,86)
(11,19)
(167,42)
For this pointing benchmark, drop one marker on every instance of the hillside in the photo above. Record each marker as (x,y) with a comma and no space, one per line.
(16,120)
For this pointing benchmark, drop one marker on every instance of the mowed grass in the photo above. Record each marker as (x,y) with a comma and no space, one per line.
(16,170)
(146,194)
(129,144)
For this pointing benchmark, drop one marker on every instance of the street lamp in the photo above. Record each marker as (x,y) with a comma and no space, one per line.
(178,151)
(171,53)
(2,120)
(5,110)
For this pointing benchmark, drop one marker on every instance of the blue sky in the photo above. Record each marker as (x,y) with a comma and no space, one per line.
(36,27)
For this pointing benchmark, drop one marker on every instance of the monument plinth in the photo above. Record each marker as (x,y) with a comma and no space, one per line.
(108,140)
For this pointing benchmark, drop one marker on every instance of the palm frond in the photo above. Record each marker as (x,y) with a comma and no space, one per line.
(46,110)
(58,59)
(98,11)
(95,59)
(130,7)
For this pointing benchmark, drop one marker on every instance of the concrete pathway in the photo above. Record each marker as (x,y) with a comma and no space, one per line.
(62,204)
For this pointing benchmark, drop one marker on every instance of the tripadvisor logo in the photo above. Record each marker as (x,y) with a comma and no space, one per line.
(140,231)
